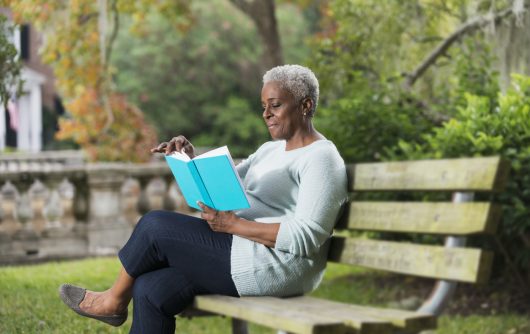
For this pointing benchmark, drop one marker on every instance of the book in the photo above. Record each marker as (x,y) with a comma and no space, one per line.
(210,178)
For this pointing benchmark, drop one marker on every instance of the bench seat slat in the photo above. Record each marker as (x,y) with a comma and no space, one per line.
(472,174)
(406,320)
(293,315)
(459,264)
(417,217)
(258,311)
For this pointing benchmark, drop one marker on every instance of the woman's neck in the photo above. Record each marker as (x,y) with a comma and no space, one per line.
(303,138)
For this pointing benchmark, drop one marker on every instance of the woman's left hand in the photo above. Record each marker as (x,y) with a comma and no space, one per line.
(219,221)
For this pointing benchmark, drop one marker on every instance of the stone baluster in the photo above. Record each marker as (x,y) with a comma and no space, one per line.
(81,203)
(144,204)
(23,210)
(9,194)
(53,208)
(108,229)
(26,240)
(169,201)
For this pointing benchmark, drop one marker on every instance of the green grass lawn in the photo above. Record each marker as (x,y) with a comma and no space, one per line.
(29,301)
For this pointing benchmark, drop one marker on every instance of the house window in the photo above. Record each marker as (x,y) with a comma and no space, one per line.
(24,42)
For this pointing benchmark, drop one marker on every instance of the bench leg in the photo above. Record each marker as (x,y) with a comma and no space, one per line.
(239,326)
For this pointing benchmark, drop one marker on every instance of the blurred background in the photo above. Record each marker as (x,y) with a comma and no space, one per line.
(87,87)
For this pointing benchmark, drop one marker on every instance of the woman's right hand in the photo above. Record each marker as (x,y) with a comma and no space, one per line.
(178,144)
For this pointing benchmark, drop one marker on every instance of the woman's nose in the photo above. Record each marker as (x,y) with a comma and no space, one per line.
(266,112)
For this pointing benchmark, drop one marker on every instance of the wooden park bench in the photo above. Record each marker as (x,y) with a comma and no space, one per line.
(448,264)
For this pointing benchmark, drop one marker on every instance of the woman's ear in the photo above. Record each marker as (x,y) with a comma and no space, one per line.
(307,106)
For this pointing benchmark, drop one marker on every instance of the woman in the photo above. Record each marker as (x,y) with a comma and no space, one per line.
(296,185)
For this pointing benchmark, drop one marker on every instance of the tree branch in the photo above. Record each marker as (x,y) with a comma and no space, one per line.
(243,5)
(114,33)
(464,29)
(262,13)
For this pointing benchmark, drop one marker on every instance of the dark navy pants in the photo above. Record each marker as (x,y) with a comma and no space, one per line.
(173,258)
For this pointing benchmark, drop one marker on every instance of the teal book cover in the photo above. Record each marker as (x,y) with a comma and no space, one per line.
(210,178)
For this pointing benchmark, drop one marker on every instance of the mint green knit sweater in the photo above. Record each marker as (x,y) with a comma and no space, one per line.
(303,190)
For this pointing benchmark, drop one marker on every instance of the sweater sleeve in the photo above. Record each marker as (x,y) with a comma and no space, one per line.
(321,194)
(243,166)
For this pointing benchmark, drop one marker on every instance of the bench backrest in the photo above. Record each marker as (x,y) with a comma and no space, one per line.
(462,177)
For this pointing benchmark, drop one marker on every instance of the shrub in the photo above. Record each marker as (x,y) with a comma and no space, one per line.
(365,122)
(480,129)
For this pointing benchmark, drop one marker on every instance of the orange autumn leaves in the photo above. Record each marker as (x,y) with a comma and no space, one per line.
(100,120)
(128,138)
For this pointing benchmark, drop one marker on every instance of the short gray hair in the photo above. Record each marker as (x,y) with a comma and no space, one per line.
(298,80)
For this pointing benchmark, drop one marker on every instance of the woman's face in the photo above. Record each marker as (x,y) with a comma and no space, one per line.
(282,114)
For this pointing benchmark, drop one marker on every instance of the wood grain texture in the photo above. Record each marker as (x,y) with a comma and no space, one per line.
(295,316)
(466,174)
(458,264)
(261,310)
(422,217)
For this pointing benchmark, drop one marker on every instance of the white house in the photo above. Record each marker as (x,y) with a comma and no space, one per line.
(29,113)
(21,128)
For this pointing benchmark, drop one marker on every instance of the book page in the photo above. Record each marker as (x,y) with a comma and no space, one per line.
(180,156)
(214,153)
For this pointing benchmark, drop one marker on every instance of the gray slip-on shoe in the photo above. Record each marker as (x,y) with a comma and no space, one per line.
(72,296)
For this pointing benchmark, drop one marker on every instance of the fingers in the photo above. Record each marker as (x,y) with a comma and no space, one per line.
(160,148)
(205,208)
(179,144)
(208,213)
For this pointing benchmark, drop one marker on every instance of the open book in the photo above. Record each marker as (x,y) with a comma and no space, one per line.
(210,178)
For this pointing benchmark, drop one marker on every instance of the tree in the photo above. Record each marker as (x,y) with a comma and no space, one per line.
(10,65)
(79,44)
(377,52)
(263,13)
(181,82)
(195,82)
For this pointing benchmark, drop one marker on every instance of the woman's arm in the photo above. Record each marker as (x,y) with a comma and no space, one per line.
(228,222)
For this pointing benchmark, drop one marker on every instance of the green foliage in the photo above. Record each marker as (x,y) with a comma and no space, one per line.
(234,124)
(10,65)
(173,76)
(379,39)
(294,28)
(482,129)
(474,73)
(362,57)
(364,123)
(360,60)
(204,84)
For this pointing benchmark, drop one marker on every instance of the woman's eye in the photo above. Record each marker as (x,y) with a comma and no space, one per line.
(276,105)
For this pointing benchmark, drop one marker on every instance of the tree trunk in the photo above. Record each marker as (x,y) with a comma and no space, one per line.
(512,48)
(262,12)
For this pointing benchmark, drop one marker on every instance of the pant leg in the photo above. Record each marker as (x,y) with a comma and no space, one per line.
(174,257)
(168,239)
(157,297)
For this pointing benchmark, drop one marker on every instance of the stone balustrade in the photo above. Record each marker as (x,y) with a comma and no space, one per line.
(56,210)
(22,161)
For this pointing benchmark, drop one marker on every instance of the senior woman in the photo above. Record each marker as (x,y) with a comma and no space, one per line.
(296,185)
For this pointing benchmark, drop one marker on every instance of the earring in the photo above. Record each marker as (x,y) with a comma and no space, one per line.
(305,114)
